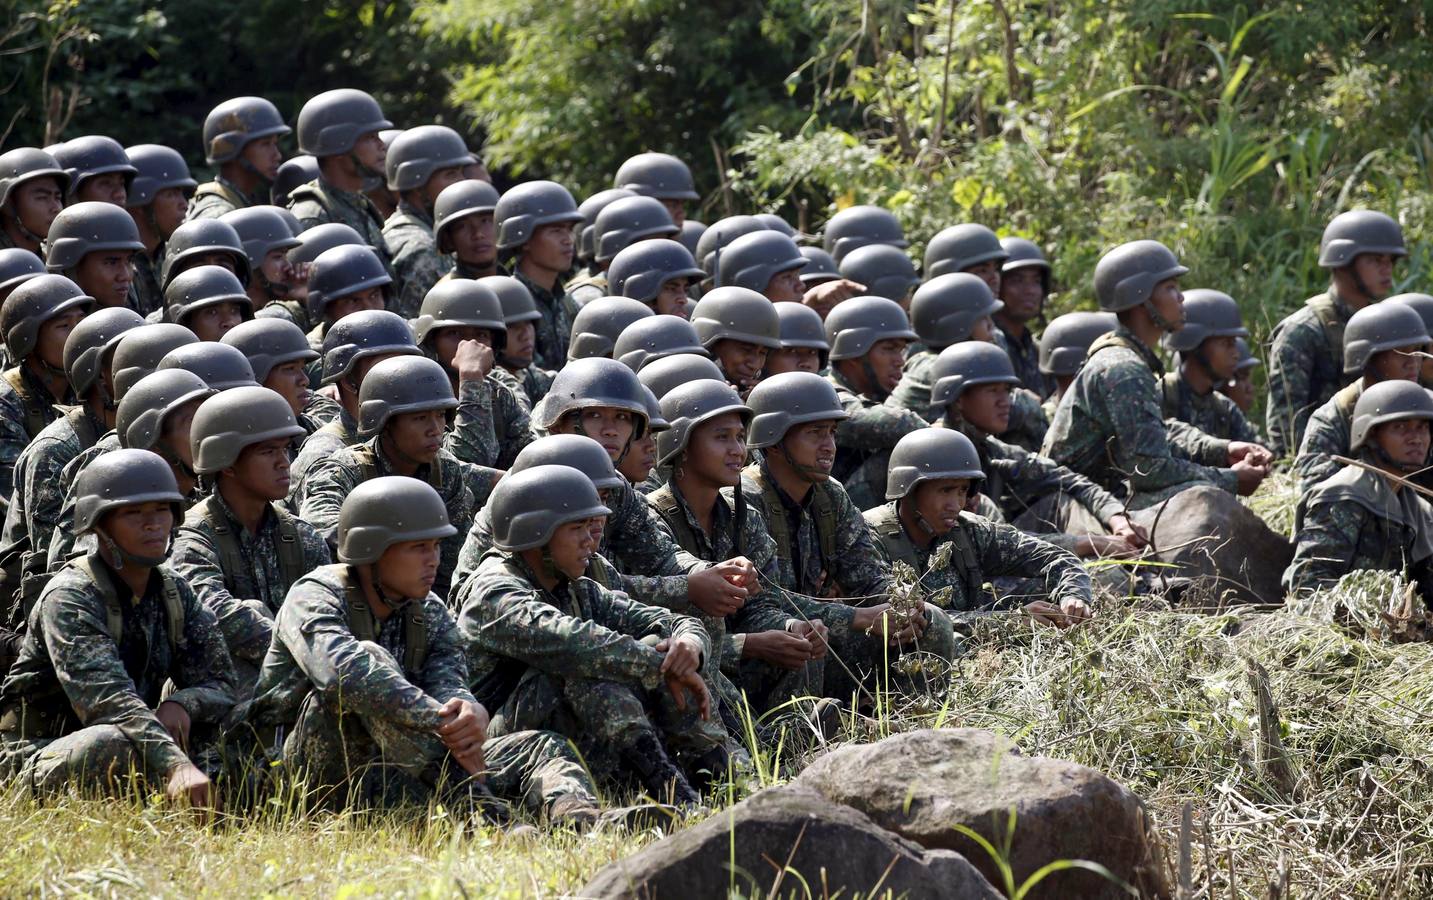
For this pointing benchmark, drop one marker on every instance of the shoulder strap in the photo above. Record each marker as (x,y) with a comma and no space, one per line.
(776,520)
(367,461)
(666,504)
(897,545)
(114,613)
(173,612)
(1347,398)
(312,190)
(1332,323)
(35,418)
(291,550)
(231,559)
(364,625)
(1169,392)
(964,558)
(823,506)
(219,189)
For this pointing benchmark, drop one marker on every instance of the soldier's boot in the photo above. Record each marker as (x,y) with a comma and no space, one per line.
(580,815)
(657,774)
(710,768)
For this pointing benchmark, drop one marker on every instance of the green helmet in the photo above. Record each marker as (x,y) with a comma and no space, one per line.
(261,230)
(457,303)
(802,328)
(662,375)
(139,421)
(193,289)
(91,341)
(736,314)
(965,365)
(221,366)
(139,351)
(88,227)
(293,173)
(1247,360)
(332,122)
(945,309)
(529,206)
(589,208)
(598,323)
(627,221)
(820,267)
(1025,254)
(719,237)
(417,153)
(885,271)
(927,455)
(468,197)
(1126,276)
(267,343)
(343,271)
(576,450)
(753,259)
(228,423)
(159,168)
(1067,340)
(639,271)
(122,478)
(1207,314)
(321,238)
(1421,304)
(858,324)
(858,226)
(659,175)
(1359,231)
(654,337)
(34,303)
(26,163)
(231,125)
(688,406)
(93,154)
(1388,401)
(200,237)
(388,510)
(516,299)
(528,507)
(594,382)
(16,266)
(372,332)
(405,384)
(1380,327)
(792,398)
(959,247)
(691,235)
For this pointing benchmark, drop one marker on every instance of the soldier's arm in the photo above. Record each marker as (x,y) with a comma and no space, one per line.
(324,488)
(1032,476)
(480,481)
(1004,550)
(1027,418)
(207,684)
(1325,545)
(1197,445)
(654,566)
(473,438)
(1141,446)
(518,423)
(445,669)
(875,428)
(859,568)
(13,438)
(1290,364)
(1324,438)
(246,624)
(1240,428)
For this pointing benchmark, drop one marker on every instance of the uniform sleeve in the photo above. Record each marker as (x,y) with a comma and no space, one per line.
(1032,476)
(1005,550)
(652,563)
(517,429)
(859,567)
(204,671)
(445,670)
(1240,428)
(874,428)
(13,438)
(473,439)
(1142,448)
(324,489)
(246,624)
(480,481)
(309,213)
(1290,364)
(44,499)
(1324,437)
(1325,545)
(1197,445)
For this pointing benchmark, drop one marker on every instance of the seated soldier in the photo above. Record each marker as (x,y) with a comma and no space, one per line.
(655,337)
(366,673)
(535,221)
(92,243)
(86,702)
(738,327)
(1381,343)
(765,261)
(657,273)
(639,465)
(202,242)
(1063,347)
(1208,355)
(138,354)
(623,223)
(1240,388)
(932,475)
(804,347)
(267,238)
(238,548)
(157,201)
(1109,426)
(208,300)
(312,244)
(421,162)
(1366,516)
(599,323)
(886,271)
(1024,288)
(344,280)
(463,226)
(279,354)
(515,360)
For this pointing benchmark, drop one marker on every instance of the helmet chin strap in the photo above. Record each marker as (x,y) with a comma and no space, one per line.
(1159,320)
(1383,459)
(812,474)
(873,384)
(123,558)
(20,224)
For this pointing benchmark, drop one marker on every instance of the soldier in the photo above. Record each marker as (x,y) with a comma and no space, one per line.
(858,226)
(463,226)
(295,171)
(203,242)
(208,300)
(720,236)
(1380,343)
(589,208)
(657,273)
(340,129)
(655,337)
(945,311)
(1064,345)
(738,327)
(220,365)
(820,267)
(158,198)
(86,702)
(520,315)
(36,319)
(241,138)
(619,225)
(279,353)
(1359,249)
(663,176)
(535,222)
(238,548)
(1366,516)
(1207,356)
(803,341)
(666,373)
(376,189)
(99,170)
(32,193)
(267,239)
(421,163)
(92,244)
(598,324)
(931,477)
(344,280)
(1240,388)
(640,463)
(886,271)
(767,262)
(1024,288)
(1109,427)
(968,248)
(312,244)
(1421,303)
(137,355)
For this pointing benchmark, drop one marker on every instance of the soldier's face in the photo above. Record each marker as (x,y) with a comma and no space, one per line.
(1375,273)
(1169,303)
(106,276)
(262,470)
(1221,355)
(1405,442)
(221,258)
(677,209)
(887,359)
(170,205)
(212,322)
(37,202)
(741,361)
(986,406)
(522,341)
(785,286)
(277,271)
(477,172)
(140,529)
(438,180)
(472,239)
(812,447)
(409,568)
(290,381)
(672,298)
(611,427)
(372,298)
(716,451)
(446,340)
(940,501)
(793,359)
(1397,365)
(1240,389)
(1023,291)
(572,547)
(983,330)
(640,460)
(417,435)
(551,247)
(264,155)
(370,151)
(988,272)
(50,345)
(106,188)
(174,433)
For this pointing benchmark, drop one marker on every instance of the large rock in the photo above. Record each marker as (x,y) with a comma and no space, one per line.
(924,783)
(835,850)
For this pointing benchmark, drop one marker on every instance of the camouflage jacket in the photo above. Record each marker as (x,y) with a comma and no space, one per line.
(490,425)
(24,413)
(322,444)
(1326,434)
(1027,417)
(149,297)
(408,235)
(1024,353)
(864,441)
(214,198)
(318,202)
(294,311)
(532,380)
(1305,367)
(554,328)
(1212,413)
(582,290)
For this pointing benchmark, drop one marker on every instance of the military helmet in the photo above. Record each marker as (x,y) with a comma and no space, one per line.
(1067,340)
(691,235)
(1247,360)
(370,332)
(468,197)
(529,206)
(293,172)
(1126,276)
(736,314)
(138,354)
(945,309)
(1388,401)
(388,510)
(87,227)
(415,154)
(92,340)
(25,163)
(576,450)
(461,302)
(655,337)
(689,405)
(267,343)
(261,230)
(159,168)
(17,266)
(528,507)
(1359,231)
(1025,254)
(659,175)
(139,421)
(753,259)
(589,209)
(518,305)
(123,478)
(639,271)
(342,271)
(228,423)
(1207,314)
(858,324)
(656,423)
(231,125)
(927,455)
(597,325)
(594,382)
(966,365)
(959,247)
(31,305)
(885,271)
(193,289)
(319,239)
(820,267)
(802,328)
(332,122)
(857,226)
(1421,303)
(1380,327)
(719,237)
(774,222)
(404,384)
(792,398)
(91,155)
(626,221)
(222,366)
(661,375)
(200,237)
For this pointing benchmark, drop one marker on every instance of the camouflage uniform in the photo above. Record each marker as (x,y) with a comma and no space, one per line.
(864,441)
(147,295)
(329,439)
(490,425)
(582,290)
(408,235)
(1327,433)
(363,723)
(1109,429)
(63,539)
(214,198)
(1212,413)
(1028,423)
(319,411)
(1305,367)
(554,328)
(318,202)
(17,411)
(288,310)
(79,703)
(532,380)
(1024,355)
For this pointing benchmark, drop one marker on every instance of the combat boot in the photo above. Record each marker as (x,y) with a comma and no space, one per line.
(657,774)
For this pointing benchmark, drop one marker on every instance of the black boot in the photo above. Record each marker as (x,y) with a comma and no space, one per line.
(709,768)
(656,772)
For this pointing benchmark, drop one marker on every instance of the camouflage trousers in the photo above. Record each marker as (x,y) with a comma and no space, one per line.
(98,758)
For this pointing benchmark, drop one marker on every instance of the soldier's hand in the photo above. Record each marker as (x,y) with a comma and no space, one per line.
(175,720)
(1133,535)
(691,684)
(189,785)
(1105,546)
(473,360)
(683,655)
(824,297)
(1076,610)
(716,591)
(1256,454)
(816,633)
(743,574)
(780,648)
(1070,612)
(1250,476)
(463,731)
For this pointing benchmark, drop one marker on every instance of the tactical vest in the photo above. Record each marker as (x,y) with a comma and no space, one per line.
(223,191)
(37,410)
(114,612)
(231,557)
(1326,311)
(899,546)
(1116,339)
(823,513)
(1169,393)
(669,508)
(1347,398)
(364,625)
(367,462)
(315,191)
